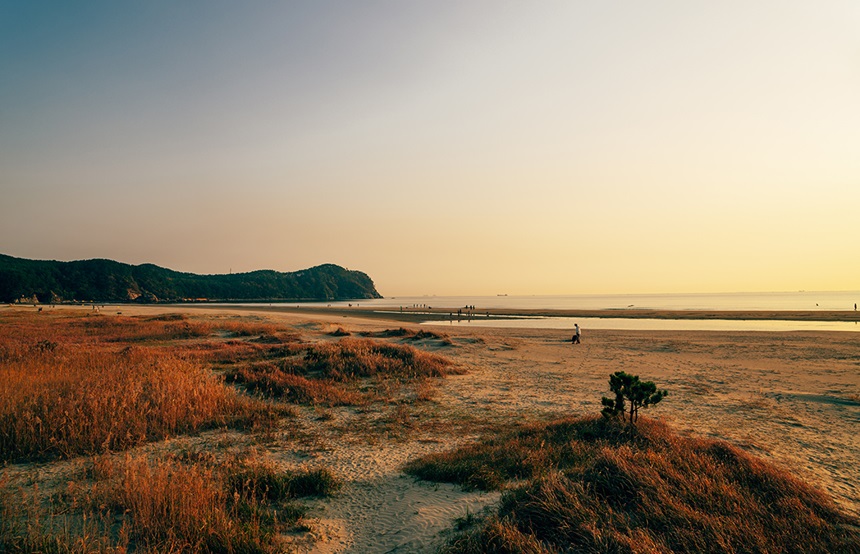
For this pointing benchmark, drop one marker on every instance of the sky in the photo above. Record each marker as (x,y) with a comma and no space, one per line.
(444,147)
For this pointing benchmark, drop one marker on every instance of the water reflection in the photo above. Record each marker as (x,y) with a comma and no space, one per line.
(652,324)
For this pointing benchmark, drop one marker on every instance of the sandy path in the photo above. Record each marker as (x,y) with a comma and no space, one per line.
(382,510)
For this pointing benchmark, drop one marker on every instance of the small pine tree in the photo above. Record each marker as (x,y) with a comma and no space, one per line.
(626,387)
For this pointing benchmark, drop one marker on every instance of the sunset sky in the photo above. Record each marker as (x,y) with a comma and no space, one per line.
(442,147)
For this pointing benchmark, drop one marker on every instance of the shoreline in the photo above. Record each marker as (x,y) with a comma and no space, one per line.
(419,315)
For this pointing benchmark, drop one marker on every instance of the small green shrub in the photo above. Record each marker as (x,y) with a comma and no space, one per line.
(628,388)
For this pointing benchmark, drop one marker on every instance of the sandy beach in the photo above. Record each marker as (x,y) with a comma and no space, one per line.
(790,398)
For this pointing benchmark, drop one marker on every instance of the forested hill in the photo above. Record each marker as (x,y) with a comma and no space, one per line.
(109,281)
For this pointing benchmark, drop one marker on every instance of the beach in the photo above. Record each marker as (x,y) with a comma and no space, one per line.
(790,398)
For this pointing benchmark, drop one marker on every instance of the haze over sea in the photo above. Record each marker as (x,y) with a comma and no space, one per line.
(753,301)
(801,300)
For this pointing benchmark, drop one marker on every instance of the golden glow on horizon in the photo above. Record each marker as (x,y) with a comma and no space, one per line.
(464,148)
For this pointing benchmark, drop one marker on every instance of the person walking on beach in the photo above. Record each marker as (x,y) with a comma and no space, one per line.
(576,334)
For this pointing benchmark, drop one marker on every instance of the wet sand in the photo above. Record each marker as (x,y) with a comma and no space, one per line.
(418,315)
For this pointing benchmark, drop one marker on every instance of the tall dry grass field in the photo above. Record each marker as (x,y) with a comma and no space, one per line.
(176,504)
(75,385)
(68,402)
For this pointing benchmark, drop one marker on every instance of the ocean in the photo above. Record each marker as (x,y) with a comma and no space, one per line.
(801,300)
(776,301)
(587,323)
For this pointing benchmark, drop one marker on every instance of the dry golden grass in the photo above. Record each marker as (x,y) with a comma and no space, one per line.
(348,372)
(591,486)
(69,402)
(412,335)
(190,503)
(351,358)
(84,328)
(425,391)
(273,381)
(242,327)
(69,386)
(340,332)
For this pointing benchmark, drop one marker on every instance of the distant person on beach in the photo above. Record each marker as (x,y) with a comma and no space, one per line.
(576,334)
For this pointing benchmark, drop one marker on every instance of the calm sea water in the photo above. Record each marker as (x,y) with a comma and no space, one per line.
(720,301)
(778,301)
(587,323)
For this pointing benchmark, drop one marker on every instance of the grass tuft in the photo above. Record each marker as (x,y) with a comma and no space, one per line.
(351,358)
(330,374)
(592,486)
(408,334)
